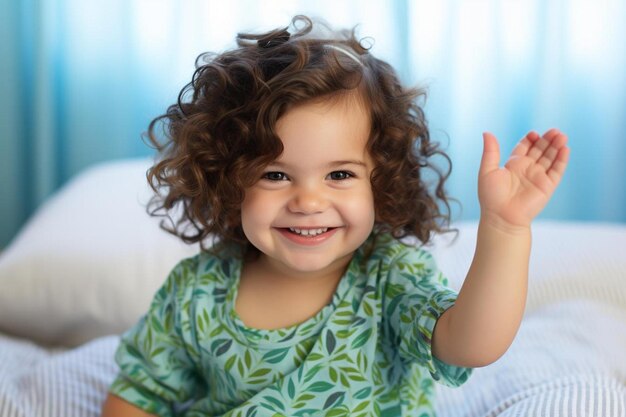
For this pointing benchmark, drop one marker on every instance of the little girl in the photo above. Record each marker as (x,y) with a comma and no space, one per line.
(303,158)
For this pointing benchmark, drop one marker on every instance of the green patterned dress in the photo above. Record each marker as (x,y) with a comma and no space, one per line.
(366,353)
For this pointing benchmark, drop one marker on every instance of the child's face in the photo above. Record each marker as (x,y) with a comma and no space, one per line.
(320,181)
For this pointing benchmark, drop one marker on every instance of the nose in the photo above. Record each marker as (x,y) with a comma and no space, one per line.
(308,200)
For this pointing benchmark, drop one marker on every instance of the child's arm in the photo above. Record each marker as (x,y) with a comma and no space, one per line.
(117,407)
(481,325)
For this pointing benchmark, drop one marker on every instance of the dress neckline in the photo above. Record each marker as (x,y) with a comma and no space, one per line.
(290,335)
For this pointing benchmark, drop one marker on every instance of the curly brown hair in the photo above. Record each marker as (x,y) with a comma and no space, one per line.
(220,134)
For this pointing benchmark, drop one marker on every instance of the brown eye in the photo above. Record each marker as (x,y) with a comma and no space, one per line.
(274,176)
(340,175)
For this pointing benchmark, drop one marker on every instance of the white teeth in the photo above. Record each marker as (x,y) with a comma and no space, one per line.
(308,232)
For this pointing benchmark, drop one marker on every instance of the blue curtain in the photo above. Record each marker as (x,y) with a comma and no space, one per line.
(80,81)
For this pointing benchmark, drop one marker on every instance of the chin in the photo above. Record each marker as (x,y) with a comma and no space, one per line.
(309,264)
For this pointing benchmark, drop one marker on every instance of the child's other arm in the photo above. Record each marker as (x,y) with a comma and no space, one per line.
(481,325)
(117,407)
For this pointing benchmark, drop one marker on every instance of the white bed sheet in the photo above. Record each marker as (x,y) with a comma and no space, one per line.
(569,357)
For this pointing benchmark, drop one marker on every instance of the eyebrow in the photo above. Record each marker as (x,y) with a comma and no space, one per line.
(329,165)
(347,162)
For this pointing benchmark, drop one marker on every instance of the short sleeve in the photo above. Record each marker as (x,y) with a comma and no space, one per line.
(415,297)
(157,367)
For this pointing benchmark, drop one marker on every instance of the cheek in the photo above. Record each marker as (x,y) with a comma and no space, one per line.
(360,208)
(369,213)
(248,210)
(371,208)
(257,209)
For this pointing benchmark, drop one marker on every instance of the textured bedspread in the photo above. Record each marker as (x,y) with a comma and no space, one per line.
(39,382)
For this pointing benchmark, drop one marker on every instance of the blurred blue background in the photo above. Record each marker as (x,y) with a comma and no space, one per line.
(80,81)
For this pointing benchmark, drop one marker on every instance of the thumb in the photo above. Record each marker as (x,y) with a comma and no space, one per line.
(491,154)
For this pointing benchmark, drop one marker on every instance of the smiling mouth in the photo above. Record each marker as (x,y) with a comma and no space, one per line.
(308,232)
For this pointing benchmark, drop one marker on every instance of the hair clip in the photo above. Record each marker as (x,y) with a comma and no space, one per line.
(274,39)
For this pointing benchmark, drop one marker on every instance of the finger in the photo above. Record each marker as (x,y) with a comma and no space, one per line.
(540,146)
(560,164)
(547,159)
(491,154)
(551,152)
(551,133)
(522,147)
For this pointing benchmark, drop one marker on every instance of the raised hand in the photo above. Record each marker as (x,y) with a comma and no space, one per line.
(514,194)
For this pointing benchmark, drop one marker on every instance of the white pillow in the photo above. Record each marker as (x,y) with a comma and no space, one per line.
(89,261)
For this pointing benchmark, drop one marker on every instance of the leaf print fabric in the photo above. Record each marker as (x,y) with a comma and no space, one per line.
(366,353)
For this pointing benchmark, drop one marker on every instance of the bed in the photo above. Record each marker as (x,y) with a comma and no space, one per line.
(86,265)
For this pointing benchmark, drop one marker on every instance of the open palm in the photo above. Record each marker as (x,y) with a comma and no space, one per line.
(517,192)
